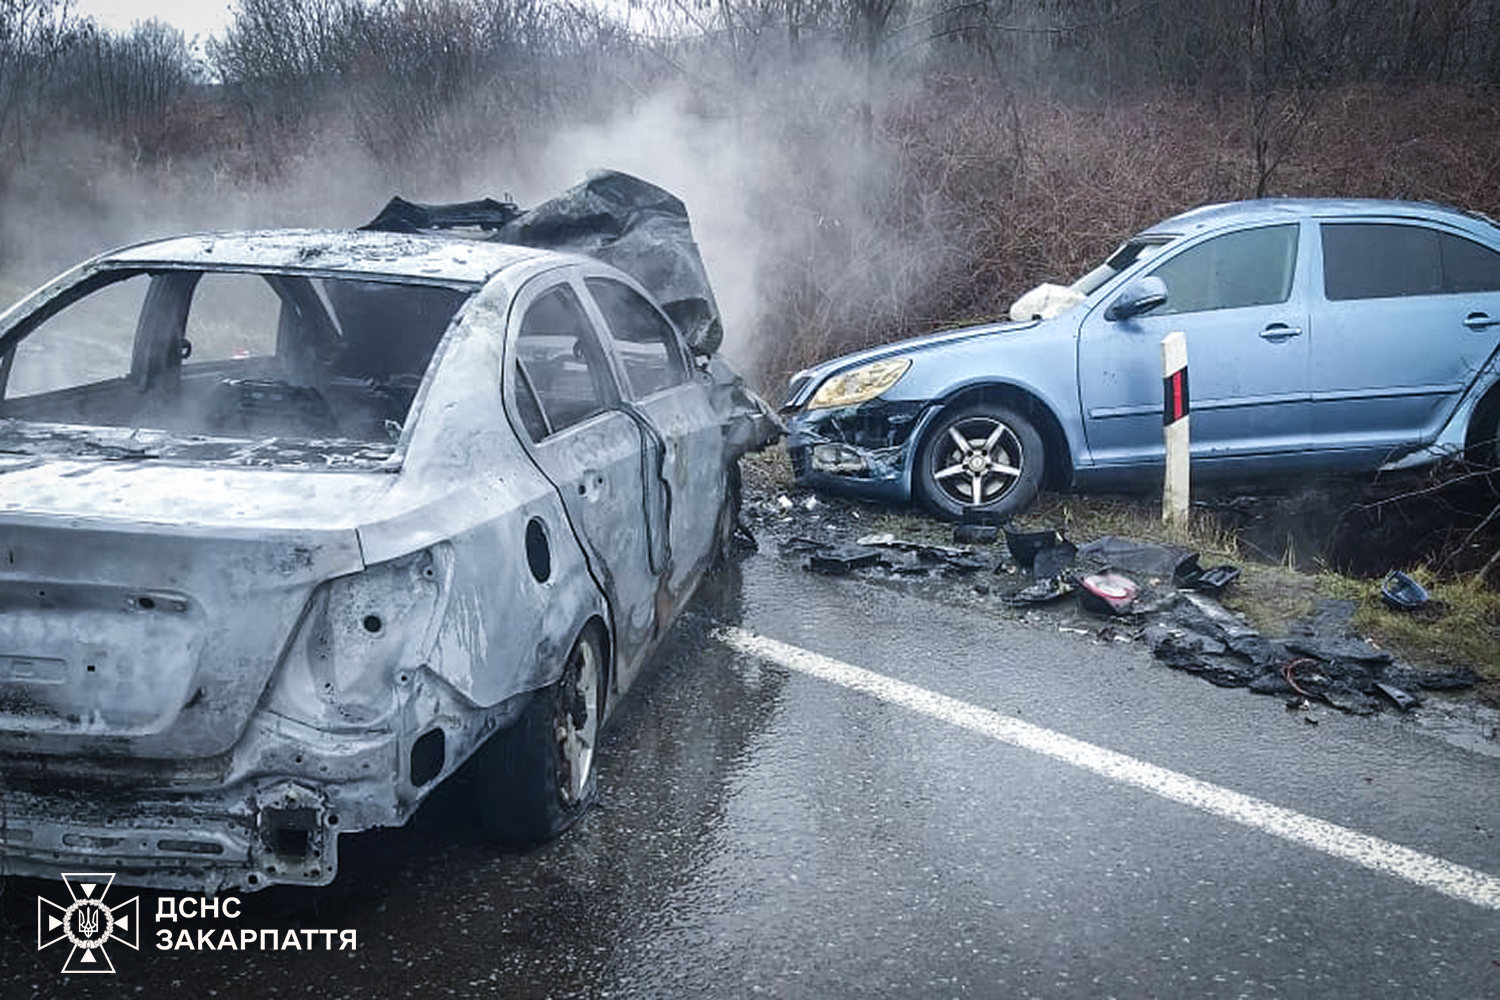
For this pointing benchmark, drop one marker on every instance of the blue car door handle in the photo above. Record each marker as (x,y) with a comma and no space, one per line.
(1277,332)
(1480,321)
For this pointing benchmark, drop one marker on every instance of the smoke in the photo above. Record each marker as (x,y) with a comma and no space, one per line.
(77,195)
(788,186)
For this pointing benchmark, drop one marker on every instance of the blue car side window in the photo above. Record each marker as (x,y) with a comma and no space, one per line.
(1380,260)
(1468,266)
(1251,267)
(1364,260)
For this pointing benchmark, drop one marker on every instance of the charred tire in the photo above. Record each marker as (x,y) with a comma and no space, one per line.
(979,459)
(727,529)
(536,776)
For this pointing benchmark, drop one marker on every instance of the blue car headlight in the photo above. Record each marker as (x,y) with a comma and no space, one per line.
(859,385)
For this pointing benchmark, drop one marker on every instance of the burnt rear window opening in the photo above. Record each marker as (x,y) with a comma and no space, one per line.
(226,355)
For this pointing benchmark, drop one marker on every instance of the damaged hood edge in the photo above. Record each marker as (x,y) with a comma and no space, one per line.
(806,381)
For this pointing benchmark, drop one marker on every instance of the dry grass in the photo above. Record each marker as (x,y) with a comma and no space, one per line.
(1461,626)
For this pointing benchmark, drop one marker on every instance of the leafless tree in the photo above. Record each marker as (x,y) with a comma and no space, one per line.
(117,84)
(33,34)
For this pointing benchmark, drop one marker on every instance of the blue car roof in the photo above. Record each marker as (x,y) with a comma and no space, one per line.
(1273,209)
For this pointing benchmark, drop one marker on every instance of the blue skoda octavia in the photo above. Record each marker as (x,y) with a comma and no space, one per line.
(1324,336)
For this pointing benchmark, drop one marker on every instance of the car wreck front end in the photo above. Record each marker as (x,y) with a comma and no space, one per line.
(854,423)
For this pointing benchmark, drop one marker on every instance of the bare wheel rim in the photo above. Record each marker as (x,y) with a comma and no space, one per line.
(576,723)
(977,461)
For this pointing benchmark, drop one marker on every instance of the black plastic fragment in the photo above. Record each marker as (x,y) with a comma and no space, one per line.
(842,560)
(1042,592)
(1211,581)
(1399,698)
(1401,593)
(1025,545)
(1053,559)
(975,534)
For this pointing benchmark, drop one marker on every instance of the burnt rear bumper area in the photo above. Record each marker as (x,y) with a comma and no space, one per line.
(197,831)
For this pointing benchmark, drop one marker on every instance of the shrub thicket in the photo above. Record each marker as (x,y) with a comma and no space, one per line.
(858,169)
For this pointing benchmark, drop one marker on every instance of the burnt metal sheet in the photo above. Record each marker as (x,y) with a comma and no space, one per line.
(612,216)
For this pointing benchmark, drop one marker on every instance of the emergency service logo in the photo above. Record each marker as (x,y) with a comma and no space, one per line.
(88,923)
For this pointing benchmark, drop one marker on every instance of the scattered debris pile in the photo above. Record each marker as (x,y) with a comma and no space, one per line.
(1155,593)
(1319,660)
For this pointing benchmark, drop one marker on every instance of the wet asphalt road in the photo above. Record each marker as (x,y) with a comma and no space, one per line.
(762,832)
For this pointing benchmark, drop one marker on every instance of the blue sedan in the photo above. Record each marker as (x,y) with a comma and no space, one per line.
(1324,336)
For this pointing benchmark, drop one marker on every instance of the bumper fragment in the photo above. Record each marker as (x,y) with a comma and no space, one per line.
(862,450)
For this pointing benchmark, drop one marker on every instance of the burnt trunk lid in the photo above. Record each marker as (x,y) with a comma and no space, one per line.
(143,609)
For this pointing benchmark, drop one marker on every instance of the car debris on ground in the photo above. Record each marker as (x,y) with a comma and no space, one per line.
(1154,593)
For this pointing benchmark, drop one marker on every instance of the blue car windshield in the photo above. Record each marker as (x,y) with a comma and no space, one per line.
(1133,252)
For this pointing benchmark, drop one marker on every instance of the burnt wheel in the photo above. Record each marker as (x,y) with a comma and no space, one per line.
(979,459)
(727,532)
(536,776)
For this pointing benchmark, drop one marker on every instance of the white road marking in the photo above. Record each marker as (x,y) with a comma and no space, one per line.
(1446,877)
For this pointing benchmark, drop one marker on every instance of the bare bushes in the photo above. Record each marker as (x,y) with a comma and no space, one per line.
(986,193)
(33,35)
(982,194)
(124,85)
(409,79)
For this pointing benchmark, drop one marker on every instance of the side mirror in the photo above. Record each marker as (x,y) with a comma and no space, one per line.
(1137,298)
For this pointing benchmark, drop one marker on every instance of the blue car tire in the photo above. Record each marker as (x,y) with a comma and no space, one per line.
(979,459)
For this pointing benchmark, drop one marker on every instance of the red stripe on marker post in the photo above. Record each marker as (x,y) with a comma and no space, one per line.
(1174,396)
(1174,412)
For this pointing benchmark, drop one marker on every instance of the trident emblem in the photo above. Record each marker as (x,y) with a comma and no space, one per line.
(88,923)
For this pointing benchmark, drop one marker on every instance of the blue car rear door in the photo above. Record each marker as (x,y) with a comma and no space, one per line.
(1407,313)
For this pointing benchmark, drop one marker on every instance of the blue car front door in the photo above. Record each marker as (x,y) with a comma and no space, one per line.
(1237,297)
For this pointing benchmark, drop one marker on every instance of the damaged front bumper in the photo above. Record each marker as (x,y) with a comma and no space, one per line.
(864,450)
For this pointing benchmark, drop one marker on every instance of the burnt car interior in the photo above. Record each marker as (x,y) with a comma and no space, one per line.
(230,354)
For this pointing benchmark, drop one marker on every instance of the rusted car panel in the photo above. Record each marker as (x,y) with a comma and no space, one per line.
(263,586)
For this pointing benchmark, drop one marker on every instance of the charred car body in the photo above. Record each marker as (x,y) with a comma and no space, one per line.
(1324,336)
(295,523)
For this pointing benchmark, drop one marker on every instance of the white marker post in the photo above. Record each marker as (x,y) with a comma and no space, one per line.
(1175,491)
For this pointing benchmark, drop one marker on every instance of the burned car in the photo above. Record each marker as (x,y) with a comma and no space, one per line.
(296,523)
(1324,337)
